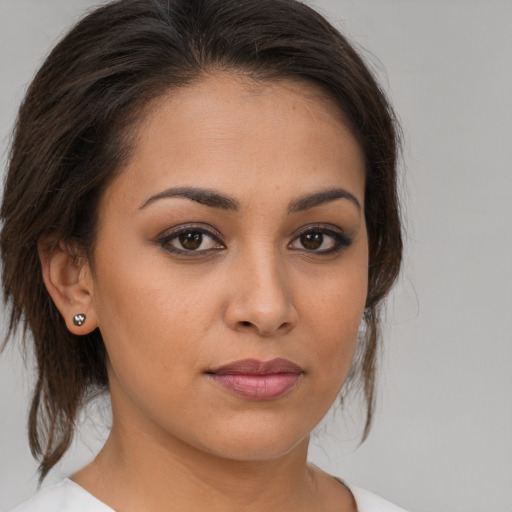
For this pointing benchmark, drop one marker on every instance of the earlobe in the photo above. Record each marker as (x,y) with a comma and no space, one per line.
(68,281)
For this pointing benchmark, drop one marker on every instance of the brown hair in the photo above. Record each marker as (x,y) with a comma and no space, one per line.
(73,135)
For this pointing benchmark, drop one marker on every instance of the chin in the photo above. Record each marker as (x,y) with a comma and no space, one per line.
(259,452)
(266,443)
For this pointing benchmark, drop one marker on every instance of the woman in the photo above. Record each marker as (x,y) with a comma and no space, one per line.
(200,216)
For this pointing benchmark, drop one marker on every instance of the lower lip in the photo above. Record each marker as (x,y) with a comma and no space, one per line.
(258,387)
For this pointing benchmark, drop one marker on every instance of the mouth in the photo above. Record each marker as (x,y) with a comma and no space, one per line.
(258,380)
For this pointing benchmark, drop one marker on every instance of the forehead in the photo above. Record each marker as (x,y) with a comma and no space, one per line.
(227,128)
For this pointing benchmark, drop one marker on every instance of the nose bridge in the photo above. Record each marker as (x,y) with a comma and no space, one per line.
(262,298)
(267,283)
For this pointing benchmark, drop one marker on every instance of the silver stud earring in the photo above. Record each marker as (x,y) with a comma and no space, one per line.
(79,319)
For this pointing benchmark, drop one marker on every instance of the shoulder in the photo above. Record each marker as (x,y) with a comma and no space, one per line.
(65,496)
(69,497)
(368,502)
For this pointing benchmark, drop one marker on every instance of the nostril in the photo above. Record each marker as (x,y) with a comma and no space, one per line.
(245,323)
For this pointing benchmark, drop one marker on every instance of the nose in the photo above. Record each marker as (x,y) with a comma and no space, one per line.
(261,301)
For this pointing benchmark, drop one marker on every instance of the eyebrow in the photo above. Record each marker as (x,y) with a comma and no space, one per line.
(199,195)
(214,199)
(318,198)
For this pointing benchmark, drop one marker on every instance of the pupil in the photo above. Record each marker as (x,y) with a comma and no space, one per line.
(191,240)
(312,240)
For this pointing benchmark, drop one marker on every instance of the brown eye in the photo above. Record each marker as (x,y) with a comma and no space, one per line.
(312,240)
(321,240)
(191,240)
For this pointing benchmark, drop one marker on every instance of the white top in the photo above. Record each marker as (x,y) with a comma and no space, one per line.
(67,496)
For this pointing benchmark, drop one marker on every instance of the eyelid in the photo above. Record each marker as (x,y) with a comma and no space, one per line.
(168,235)
(191,226)
(325,227)
(342,240)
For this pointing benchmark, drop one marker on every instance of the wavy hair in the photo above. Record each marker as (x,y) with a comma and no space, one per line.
(74,133)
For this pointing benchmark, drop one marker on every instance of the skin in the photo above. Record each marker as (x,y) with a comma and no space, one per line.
(179,440)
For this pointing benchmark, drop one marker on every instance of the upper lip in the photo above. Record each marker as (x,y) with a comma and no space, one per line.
(255,367)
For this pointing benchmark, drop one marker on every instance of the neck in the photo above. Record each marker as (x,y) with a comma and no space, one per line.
(141,473)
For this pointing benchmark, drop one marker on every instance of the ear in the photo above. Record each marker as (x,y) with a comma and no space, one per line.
(68,280)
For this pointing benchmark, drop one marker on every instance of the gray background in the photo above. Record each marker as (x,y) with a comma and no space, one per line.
(442,439)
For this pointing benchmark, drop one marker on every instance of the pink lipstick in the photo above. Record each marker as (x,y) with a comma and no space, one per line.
(257,380)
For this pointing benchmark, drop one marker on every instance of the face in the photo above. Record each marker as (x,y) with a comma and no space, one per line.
(230,270)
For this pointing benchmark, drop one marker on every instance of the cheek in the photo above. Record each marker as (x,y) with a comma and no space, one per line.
(335,322)
(148,322)
(334,312)
(153,346)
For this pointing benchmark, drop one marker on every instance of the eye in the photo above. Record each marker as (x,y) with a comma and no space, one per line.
(190,240)
(321,240)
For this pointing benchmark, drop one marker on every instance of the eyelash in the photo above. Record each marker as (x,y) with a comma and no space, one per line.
(166,240)
(339,239)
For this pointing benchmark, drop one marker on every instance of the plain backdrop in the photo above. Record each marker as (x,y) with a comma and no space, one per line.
(442,439)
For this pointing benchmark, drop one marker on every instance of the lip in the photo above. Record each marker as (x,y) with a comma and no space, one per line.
(258,380)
